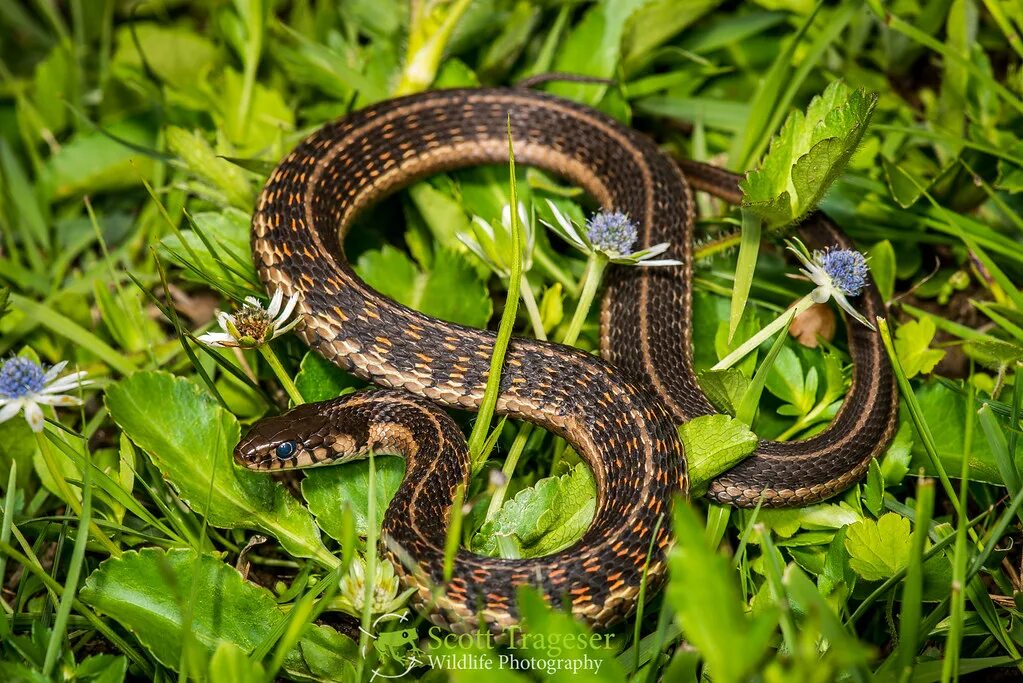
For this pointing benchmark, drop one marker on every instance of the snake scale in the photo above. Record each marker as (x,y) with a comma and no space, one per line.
(619,412)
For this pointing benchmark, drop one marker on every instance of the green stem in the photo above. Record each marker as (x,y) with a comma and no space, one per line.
(764,334)
(426,48)
(529,301)
(591,283)
(282,375)
(508,469)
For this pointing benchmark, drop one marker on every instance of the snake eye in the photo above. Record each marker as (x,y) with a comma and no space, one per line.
(285,450)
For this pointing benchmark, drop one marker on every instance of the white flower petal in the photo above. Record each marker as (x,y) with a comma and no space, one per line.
(275,304)
(481,225)
(221,339)
(565,228)
(655,250)
(289,308)
(658,262)
(73,381)
(224,319)
(10,409)
(254,302)
(52,373)
(60,400)
(34,416)
(848,308)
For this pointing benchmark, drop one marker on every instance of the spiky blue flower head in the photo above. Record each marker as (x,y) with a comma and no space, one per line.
(612,232)
(20,377)
(846,268)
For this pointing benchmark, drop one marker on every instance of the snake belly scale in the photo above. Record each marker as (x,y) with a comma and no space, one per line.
(619,412)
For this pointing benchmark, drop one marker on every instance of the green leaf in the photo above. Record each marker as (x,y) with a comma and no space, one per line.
(225,183)
(714,443)
(162,596)
(593,48)
(873,491)
(714,618)
(451,291)
(724,388)
(92,162)
(176,55)
(230,663)
(786,381)
(190,437)
(883,268)
(326,488)
(809,153)
(877,550)
(556,636)
(318,379)
(911,344)
(542,518)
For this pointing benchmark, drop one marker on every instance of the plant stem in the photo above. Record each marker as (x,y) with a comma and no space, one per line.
(764,334)
(591,282)
(285,379)
(529,301)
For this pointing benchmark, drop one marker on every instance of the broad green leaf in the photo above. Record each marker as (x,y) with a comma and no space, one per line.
(878,549)
(714,443)
(326,489)
(823,516)
(541,519)
(91,162)
(883,268)
(912,341)
(714,618)
(318,379)
(175,54)
(451,291)
(943,409)
(787,381)
(809,153)
(230,663)
(873,490)
(724,388)
(158,594)
(270,115)
(593,48)
(190,437)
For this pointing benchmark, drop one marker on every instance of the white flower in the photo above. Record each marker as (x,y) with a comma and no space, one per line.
(24,386)
(493,247)
(838,274)
(252,325)
(611,233)
(386,598)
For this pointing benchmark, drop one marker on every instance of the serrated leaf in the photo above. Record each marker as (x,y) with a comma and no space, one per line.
(451,291)
(809,153)
(878,549)
(190,437)
(543,518)
(714,443)
(912,341)
(318,379)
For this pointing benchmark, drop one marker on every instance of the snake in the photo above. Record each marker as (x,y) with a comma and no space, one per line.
(619,410)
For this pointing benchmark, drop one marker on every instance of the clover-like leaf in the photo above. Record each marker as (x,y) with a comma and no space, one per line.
(809,153)
(912,345)
(878,549)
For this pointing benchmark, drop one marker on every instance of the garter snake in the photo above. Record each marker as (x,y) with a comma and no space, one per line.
(619,412)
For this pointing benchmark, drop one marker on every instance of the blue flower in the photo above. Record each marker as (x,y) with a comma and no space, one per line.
(612,232)
(838,273)
(24,385)
(847,269)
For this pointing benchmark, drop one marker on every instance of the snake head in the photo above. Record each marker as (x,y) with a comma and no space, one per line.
(306,436)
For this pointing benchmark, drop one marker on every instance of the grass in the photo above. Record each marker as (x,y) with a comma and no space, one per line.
(133,143)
